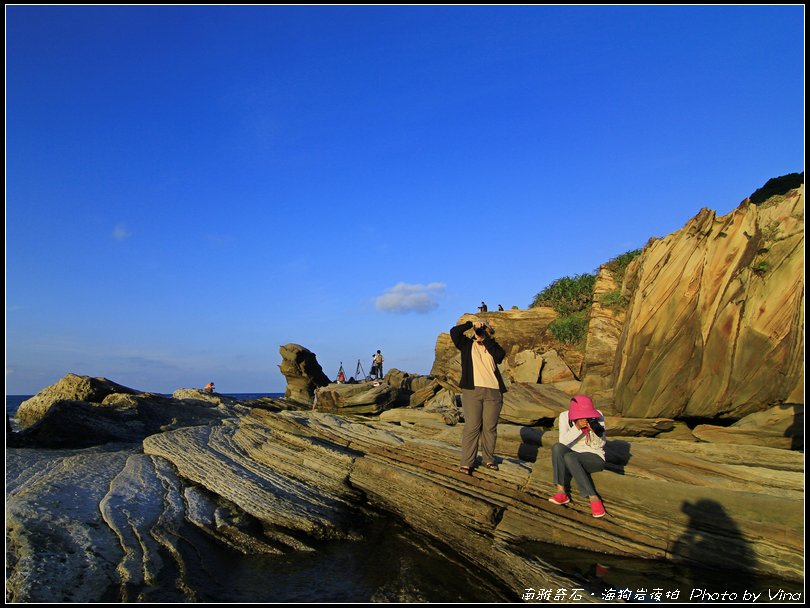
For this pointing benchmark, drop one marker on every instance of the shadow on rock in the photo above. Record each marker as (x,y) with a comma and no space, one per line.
(617,455)
(796,429)
(712,539)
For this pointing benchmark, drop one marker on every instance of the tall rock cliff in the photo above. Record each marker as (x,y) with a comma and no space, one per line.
(715,323)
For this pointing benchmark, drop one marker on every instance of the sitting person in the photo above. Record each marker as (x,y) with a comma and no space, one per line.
(209,388)
(579,452)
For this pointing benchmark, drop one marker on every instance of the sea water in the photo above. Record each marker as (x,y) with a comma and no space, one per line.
(393,563)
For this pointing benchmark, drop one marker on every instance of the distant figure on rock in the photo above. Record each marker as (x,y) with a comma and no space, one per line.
(209,388)
(482,389)
(500,307)
(482,308)
(579,452)
(377,365)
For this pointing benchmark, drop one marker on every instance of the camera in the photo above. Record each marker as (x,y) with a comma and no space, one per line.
(481,331)
(596,427)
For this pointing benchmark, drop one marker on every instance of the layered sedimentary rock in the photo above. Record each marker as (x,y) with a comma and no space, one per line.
(303,373)
(715,325)
(604,330)
(748,508)
(115,519)
(531,404)
(362,398)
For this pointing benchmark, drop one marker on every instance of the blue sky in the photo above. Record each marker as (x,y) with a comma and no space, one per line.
(188,188)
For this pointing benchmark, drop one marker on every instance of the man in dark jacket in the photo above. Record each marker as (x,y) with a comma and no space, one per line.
(482,389)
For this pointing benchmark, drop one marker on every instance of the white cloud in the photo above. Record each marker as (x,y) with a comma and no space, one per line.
(120,232)
(406,297)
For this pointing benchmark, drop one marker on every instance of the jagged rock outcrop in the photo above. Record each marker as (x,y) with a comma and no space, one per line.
(361,398)
(781,426)
(196,394)
(95,415)
(120,417)
(70,388)
(604,330)
(531,404)
(515,331)
(303,373)
(533,356)
(715,325)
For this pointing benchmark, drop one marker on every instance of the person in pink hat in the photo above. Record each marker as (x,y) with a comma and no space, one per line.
(579,452)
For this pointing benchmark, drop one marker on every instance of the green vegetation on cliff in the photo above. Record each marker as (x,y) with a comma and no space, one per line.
(571,298)
(618,265)
(777,186)
(568,294)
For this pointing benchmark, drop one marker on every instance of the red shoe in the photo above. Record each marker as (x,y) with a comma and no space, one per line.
(560,498)
(597,508)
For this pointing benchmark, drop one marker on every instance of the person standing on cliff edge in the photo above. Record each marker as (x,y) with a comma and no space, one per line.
(482,389)
(377,365)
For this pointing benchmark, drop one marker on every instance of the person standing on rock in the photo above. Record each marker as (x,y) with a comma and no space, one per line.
(482,389)
(579,452)
(377,365)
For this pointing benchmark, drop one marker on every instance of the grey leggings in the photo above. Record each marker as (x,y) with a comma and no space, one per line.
(566,462)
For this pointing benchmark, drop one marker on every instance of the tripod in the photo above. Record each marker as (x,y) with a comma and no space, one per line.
(360,369)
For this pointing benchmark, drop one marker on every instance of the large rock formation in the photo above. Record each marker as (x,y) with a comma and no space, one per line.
(534,357)
(604,330)
(303,373)
(715,325)
(117,417)
(70,388)
(361,398)
(515,331)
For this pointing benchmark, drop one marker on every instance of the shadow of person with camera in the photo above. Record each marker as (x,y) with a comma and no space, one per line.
(579,452)
(711,539)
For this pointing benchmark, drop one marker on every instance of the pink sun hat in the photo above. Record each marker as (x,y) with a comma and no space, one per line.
(582,407)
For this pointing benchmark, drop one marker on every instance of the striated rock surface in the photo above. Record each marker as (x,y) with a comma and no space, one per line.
(361,398)
(303,373)
(604,329)
(749,506)
(70,388)
(116,520)
(531,404)
(715,326)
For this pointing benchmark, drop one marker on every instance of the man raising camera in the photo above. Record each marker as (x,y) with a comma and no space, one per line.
(482,389)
